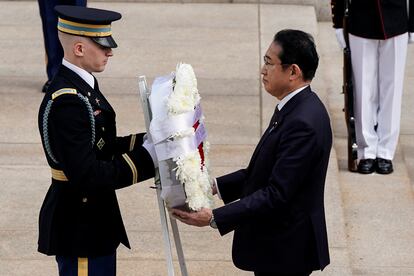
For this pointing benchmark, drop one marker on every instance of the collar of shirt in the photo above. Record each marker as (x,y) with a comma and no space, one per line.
(289,96)
(87,77)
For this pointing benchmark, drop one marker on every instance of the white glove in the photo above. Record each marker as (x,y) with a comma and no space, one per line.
(340,37)
(410,38)
(149,146)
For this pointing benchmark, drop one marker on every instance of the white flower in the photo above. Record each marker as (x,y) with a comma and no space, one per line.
(180,100)
(185,75)
(182,134)
(196,181)
(206,150)
(185,94)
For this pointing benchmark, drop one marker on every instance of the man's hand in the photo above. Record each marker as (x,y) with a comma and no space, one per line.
(200,218)
(213,184)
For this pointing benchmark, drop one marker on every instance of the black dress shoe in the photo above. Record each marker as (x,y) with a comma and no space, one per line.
(46,86)
(384,166)
(366,166)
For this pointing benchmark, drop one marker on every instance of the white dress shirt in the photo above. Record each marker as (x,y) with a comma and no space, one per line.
(290,96)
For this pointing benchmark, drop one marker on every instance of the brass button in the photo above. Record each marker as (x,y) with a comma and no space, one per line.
(85,199)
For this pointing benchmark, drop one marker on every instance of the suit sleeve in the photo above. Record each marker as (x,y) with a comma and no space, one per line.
(337,7)
(230,185)
(298,151)
(70,128)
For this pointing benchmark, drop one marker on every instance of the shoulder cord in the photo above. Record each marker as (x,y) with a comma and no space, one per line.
(46,130)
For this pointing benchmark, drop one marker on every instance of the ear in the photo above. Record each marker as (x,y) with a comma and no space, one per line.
(78,49)
(295,73)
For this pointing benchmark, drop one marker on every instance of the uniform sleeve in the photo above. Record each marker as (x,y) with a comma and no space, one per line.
(337,7)
(294,161)
(129,143)
(71,143)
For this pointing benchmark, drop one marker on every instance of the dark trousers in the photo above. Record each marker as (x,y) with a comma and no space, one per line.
(54,51)
(281,274)
(97,266)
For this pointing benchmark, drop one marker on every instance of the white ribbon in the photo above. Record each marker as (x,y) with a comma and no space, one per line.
(163,128)
(181,146)
(161,89)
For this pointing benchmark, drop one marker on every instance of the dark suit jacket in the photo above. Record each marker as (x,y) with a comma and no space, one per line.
(279,221)
(81,217)
(375,19)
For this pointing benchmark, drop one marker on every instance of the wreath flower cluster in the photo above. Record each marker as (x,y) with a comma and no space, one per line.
(192,169)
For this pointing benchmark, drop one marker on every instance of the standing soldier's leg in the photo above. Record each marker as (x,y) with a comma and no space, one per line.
(393,52)
(364,56)
(53,49)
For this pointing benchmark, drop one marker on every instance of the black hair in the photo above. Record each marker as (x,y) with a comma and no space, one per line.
(298,48)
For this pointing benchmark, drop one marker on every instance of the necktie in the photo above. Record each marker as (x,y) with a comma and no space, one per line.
(97,92)
(96,86)
(273,121)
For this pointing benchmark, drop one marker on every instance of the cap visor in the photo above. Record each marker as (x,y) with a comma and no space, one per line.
(106,41)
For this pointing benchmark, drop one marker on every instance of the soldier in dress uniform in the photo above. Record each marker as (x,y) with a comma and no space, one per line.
(80,220)
(54,51)
(378,35)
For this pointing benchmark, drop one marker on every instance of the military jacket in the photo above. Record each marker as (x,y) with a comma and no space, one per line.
(375,19)
(80,215)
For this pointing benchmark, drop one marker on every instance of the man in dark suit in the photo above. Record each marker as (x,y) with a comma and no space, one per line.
(276,205)
(80,221)
(54,51)
(378,35)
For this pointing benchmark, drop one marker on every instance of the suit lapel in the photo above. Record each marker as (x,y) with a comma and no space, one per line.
(277,119)
(274,122)
(292,103)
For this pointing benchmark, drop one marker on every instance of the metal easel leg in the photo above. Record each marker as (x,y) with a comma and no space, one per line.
(165,232)
(178,246)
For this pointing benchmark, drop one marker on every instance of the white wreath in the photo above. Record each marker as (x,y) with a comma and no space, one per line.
(179,135)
